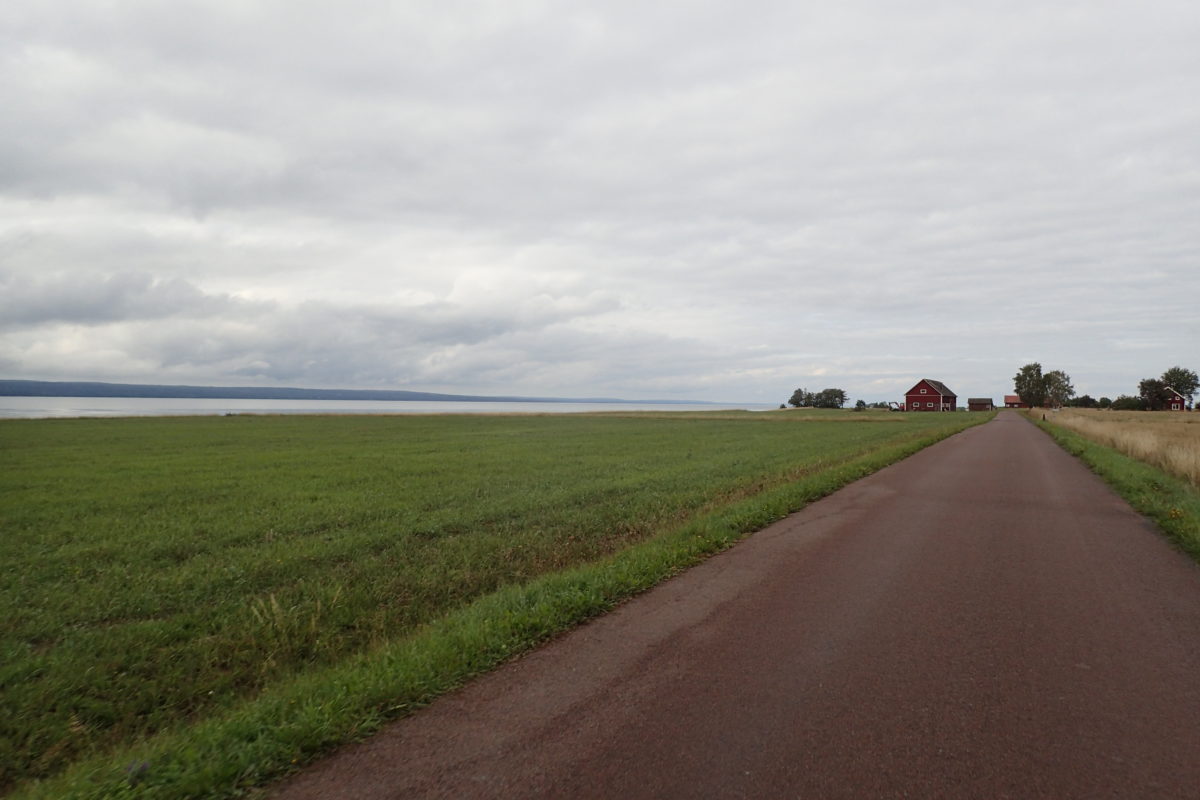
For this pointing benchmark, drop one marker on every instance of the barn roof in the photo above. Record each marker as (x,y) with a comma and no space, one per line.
(939,386)
(979,400)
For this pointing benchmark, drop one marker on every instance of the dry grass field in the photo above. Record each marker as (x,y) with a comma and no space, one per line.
(1167,439)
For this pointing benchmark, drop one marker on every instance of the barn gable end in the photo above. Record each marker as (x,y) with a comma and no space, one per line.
(930,395)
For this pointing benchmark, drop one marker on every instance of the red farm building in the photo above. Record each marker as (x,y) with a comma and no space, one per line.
(930,395)
(1014,401)
(1175,401)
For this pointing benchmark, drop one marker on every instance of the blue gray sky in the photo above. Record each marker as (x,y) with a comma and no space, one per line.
(709,201)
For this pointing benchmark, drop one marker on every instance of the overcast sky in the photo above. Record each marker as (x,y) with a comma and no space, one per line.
(700,200)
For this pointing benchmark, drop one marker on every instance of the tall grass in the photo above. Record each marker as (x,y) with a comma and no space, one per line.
(1169,440)
(1172,502)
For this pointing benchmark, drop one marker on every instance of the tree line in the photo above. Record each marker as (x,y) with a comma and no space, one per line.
(829,398)
(1053,390)
(826,398)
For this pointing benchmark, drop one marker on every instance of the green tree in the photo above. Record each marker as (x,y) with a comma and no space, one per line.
(1184,381)
(826,398)
(1106,402)
(860,405)
(830,398)
(1030,385)
(1154,394)
(1058,388)
(1126,403)
(801,398)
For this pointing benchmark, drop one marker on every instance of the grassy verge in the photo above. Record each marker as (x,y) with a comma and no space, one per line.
(269,538)
(1170,501)
(1168,440)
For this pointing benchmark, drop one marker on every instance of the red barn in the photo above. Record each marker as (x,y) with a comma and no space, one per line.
(1014,401)
(930,395)
(1176,401)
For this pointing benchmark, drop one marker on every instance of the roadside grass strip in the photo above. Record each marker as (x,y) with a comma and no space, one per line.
(1171,502)
(245,743)
(1165,439)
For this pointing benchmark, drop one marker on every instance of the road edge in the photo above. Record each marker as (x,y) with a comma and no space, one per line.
(1172,504)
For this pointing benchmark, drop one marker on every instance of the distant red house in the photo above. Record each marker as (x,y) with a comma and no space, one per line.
(1176,402)
(930,395)
(980,404)
(1014,401)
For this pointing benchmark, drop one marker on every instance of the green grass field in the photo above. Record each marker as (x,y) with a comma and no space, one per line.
(177,584)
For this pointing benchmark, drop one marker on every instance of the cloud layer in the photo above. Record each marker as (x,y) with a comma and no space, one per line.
(693,200)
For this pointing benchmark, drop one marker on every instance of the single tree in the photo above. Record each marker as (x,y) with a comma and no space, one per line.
(1106,402)
(1030,385)
(1058,388)
(1184,381)
(1154,394)
(860,405)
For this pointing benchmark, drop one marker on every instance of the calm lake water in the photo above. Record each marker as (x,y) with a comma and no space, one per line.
(41,407)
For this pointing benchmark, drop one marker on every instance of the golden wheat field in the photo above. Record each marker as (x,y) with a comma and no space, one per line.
(1169,440)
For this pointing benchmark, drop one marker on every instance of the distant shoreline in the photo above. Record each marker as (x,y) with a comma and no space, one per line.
(25,388)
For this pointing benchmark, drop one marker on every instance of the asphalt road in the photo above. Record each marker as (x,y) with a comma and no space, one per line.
(983,620)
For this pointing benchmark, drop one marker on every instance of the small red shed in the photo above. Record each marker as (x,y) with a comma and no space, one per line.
(930,395)
(1014,401)
(1176,401)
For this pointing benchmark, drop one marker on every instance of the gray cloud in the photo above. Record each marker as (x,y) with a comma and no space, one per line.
(173,328)
(64,298)
(599,198)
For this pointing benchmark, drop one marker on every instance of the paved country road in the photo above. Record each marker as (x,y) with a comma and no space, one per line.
(982,620)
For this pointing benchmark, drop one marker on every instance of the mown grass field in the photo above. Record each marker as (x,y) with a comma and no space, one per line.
(188,605)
